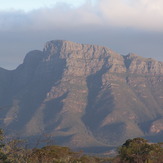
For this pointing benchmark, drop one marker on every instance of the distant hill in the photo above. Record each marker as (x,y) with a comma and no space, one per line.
(84,96)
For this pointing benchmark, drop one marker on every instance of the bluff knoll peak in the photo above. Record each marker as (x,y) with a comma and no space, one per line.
(83,96)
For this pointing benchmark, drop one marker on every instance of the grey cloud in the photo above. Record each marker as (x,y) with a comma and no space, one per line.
(138,14)
(62,16)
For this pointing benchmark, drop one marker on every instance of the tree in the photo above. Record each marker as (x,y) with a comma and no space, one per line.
(138,150)
(3,156)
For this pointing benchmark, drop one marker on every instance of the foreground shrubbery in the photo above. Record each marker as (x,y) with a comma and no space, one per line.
(137,150)
(50,154)
(15,151)
(59,154)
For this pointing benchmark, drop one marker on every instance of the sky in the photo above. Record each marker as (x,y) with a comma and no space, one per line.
(123,25)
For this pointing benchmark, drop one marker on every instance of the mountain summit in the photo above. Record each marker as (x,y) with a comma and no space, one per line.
(83,96)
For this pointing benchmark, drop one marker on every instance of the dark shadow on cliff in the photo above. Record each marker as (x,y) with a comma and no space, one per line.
(53,107)
(98,107)
(32,91)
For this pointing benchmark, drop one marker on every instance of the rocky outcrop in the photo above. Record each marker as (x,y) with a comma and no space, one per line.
(83,95)
(139,65)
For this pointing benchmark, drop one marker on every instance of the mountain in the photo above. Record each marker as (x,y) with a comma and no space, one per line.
(83,96)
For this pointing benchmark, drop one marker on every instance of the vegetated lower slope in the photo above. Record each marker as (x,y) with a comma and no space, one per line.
(133,150)
(83,95)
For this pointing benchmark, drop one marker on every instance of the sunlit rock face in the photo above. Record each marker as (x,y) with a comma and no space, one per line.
(83,96)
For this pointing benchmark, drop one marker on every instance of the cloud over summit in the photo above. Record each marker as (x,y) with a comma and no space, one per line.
(141,14)
(138,14)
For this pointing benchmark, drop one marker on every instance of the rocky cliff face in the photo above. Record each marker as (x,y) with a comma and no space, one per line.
(83,95)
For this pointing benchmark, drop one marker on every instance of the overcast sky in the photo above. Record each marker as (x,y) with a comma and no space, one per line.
(122,25)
